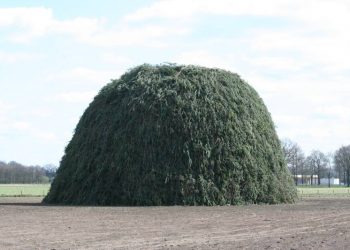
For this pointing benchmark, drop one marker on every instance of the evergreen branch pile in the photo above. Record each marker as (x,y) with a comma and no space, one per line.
(174,135)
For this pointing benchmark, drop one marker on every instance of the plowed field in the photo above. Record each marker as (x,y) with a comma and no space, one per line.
(312,223)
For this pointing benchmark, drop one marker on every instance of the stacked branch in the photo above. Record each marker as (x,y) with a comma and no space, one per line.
(174,135)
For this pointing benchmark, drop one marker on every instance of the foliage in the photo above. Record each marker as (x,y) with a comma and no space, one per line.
(14,172)
(174,135)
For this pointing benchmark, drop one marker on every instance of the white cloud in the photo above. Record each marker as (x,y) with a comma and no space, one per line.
(336,111)
(25,17)
(312,11)
(203,58)
(38,22)
(112,58)
(179,9)
(296,58)
(5,107)
(76,97)
(21,125)
(289,119)
(14,57)
(317,35)
(13,125)
(328,51)
(311,111)
(84,76)
(44,135)
(145,35)
(40,112)
(5,110)
(277,63)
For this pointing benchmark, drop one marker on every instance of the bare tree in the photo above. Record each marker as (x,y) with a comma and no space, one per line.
(330,157)
(342,162)
(14,172)
(317,163)
(295,159)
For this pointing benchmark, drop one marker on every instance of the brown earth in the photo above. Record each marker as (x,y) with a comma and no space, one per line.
(314,223)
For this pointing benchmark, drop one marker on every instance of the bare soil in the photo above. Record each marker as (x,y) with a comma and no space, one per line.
(314,223)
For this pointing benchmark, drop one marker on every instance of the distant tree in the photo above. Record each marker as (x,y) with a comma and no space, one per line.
(50,171)
(295,159)
(301,165)
(330,169)
(14,172)
(342,163)
(317,163)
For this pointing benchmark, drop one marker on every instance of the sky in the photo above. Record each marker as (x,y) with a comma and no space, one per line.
(56,55)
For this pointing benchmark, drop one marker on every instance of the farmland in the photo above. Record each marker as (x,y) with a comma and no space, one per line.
(319,219)
(323,191)
(28,190)
(24,189)
(311,223)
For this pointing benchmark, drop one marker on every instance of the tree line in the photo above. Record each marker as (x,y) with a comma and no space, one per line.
(312,168)
(13,172)
(308,169)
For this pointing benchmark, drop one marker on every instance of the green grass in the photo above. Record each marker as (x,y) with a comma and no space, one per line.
(24,189)
(323,191)
(320,186)
(42,190)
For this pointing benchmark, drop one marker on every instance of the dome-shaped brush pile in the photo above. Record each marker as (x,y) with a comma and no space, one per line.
(174,135)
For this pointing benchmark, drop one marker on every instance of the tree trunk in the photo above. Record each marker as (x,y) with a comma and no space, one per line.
(302,179)
(348,176)
(329,179)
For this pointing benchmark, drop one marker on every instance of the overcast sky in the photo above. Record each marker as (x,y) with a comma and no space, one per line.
(56,55)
